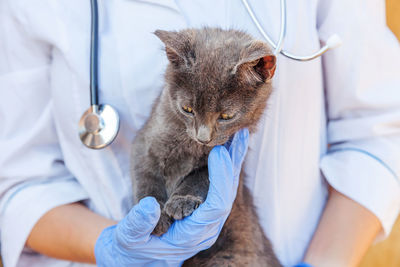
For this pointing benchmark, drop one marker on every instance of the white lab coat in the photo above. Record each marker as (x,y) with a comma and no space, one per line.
(44,89)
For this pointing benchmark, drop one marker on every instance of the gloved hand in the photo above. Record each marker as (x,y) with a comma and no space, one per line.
(130,243)
(303,264)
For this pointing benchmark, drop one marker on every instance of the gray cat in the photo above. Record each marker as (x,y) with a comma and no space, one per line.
(217,82)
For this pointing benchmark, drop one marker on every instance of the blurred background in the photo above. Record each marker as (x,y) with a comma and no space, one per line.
(393,16)
(387,253)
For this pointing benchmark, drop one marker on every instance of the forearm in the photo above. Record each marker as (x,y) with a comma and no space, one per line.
(68,232)
(345,232)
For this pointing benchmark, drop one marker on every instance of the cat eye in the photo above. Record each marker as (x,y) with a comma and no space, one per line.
(225,116)
(187,109)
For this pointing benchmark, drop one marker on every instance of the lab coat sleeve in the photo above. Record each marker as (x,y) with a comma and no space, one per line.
(362,81)
(33,177)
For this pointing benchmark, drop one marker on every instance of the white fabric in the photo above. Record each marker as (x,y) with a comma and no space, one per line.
(44,89)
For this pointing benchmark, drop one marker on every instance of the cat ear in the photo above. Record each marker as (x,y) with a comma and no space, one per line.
(256,62)
(177,46)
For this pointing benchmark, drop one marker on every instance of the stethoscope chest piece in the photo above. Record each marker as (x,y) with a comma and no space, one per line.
(98,126)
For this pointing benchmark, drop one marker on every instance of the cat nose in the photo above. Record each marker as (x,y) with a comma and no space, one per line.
(203,134)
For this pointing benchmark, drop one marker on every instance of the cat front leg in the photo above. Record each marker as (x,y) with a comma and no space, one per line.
(150,184)
(188,195)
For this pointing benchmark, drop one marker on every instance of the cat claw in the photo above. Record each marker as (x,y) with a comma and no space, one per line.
(163,224)
(179,207)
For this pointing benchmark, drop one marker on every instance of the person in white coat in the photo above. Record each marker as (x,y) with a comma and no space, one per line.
(323,167)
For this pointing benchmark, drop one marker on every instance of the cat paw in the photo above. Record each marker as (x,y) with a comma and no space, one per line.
(163,224)
(178,207)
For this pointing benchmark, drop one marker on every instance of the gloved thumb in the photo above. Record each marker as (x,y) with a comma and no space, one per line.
(139,223)
(238,150)
(222,187)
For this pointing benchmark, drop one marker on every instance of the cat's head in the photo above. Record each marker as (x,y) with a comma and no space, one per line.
(218,81)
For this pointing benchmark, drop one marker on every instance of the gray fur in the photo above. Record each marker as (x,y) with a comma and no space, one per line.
(212,71)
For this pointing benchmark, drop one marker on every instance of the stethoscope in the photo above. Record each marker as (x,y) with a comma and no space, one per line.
(99,125)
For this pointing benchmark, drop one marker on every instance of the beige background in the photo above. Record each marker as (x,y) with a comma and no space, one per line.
(393,16)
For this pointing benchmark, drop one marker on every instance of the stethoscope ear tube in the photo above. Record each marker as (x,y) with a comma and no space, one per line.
(333,41)
(99,125)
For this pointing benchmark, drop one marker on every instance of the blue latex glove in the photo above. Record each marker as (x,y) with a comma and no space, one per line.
(303,264)
(130,243)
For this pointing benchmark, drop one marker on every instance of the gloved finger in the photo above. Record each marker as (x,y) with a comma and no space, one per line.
(222,187)
(238,149)
(224,168)
(139,223)
(200,230)
(192,234)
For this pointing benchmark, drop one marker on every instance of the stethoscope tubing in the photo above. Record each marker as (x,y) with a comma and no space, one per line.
(332,42)
(94,51)
(282,34)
